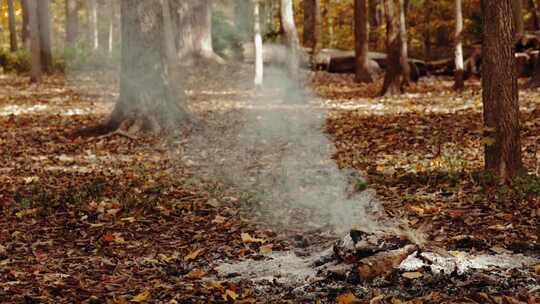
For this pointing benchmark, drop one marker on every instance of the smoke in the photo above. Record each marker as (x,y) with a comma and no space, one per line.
(273,145)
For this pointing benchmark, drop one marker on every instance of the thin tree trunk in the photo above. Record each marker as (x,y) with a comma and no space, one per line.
(361,31)
(36,71)
(12,27)
(243,21)
(93,19)
(25,31)
(459,80)
(427,36)
(517,13)
(311,24)
(72,22)
(112,22)
(500,91)
(44,21)
(392,78)
(534,11)
(404,56)
(259,61)
(289,27)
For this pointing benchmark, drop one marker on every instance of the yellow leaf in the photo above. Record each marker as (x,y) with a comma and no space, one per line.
(219,219)
(229,294)
(214,285)
(412,275)
(193,255)
(536,269)
(26,212)
(265,249)
(196,273)
(347,298)
(141,297)
(246,238)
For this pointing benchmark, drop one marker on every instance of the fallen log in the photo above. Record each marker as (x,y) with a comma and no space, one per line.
(383,263)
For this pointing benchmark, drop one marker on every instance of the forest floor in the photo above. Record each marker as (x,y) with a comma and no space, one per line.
(116,219)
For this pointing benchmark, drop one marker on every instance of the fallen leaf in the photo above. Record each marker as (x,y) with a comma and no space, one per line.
(412,275)
(219,219)
(229,294)
(347,298)
(193,255)
(536,269)
(196,273)
(141,297)
(109,237)
(26,212)
(247,238)
(265,249)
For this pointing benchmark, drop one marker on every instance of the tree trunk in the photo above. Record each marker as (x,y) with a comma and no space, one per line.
(291,35)
(311,24)
(147,101)
(500,91)
(93,19)
(517,13)
(202,29)
(194,39)
(459,76)
(243,22)
(25,31)
(44,21)
(259,60)
(110,33)
(361,32)
(72,22)
(534,11)
(33,22)
(427,36)
(404,56)
(392,78)
(12,27)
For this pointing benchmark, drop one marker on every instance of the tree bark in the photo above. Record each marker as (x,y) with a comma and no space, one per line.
(500,91)
(517,13)
(194,39)
(147,101)
(72,22)
(12,27)
(459,75)
(427,35)
(44,21)
(311,24)
(404,56)
(534,11)
(291,35)
(361,32)
(259,60)
(93,19)
(36,71)
(25,31)
(392,78)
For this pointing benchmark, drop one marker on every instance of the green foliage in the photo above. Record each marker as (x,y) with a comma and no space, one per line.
(18,62)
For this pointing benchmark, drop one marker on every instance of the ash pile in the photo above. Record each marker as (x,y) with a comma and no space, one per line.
(371,263)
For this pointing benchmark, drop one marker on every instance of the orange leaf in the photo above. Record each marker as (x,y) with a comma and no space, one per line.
(109,237)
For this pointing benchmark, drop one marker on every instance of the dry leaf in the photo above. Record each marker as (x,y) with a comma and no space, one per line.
(229,294)
(219,219)
(193,255)
(412,275)
(347,298)
(265,249)
(196,273)
(26,212)
(141,297)
(536,269)
(246,238)
(109,237)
